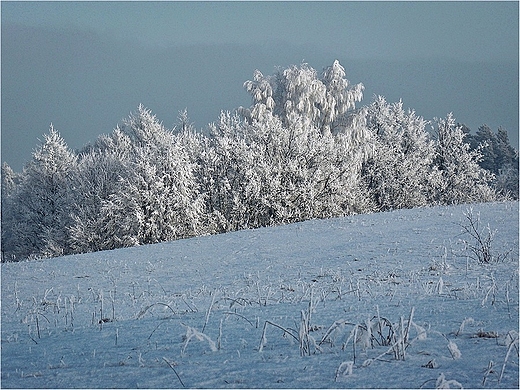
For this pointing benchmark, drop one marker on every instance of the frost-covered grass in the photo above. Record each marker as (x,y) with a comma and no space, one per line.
(384,300)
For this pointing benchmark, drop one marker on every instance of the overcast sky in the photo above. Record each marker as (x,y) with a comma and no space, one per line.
(86,65)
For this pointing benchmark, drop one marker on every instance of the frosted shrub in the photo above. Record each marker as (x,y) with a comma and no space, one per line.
(481,239)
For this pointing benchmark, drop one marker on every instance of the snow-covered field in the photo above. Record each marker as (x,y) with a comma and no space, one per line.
(384,300)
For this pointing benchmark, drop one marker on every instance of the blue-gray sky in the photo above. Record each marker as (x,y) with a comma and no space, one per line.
(86,65)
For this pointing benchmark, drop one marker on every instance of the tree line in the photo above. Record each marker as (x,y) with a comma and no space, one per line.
(302,150)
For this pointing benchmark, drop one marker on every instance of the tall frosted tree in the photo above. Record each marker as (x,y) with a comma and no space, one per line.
(266,173)
(399,171)
(158,198)
(313,144)
(300,94)
(41,202)
(97,177)
(461,179)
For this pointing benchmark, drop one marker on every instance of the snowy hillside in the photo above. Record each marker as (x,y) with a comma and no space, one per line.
(383,300)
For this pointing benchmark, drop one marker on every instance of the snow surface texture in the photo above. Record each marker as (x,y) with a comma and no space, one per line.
(383,300)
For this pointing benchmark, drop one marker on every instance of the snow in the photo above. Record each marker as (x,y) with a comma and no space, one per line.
(196,312)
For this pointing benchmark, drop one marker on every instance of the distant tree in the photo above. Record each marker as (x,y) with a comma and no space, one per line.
(194,143)
(468,137)
(9,183)
(497,157)
(461,180)
(9,180)
(507,163)
(505,153)
(232,163)
(487,142)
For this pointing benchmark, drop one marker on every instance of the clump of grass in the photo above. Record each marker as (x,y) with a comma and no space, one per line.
(263,339)
(487,334)
(192,333)
(377,332)
(305,340)
(146,308)
(442,383)
(454,350)
(431,364)
(463,324)
(382,332)
(490,370)
(344,370)
(452,346)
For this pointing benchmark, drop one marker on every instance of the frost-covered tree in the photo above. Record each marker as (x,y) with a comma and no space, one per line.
(9,183)
(97,177)
(506,155)
(399,171)
(263,172)
(507,163)
(487,142)
(299,94)
(306,145)
(340,97)
(497,157)
(9,180)
(158,198)
(461,180)
(138,186)
(225,168)
(40,203)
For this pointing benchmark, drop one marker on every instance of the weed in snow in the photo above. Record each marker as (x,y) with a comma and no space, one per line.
(466,321)
(512,340)
(442,383)
(344,370)
(454,350)
(192,333)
